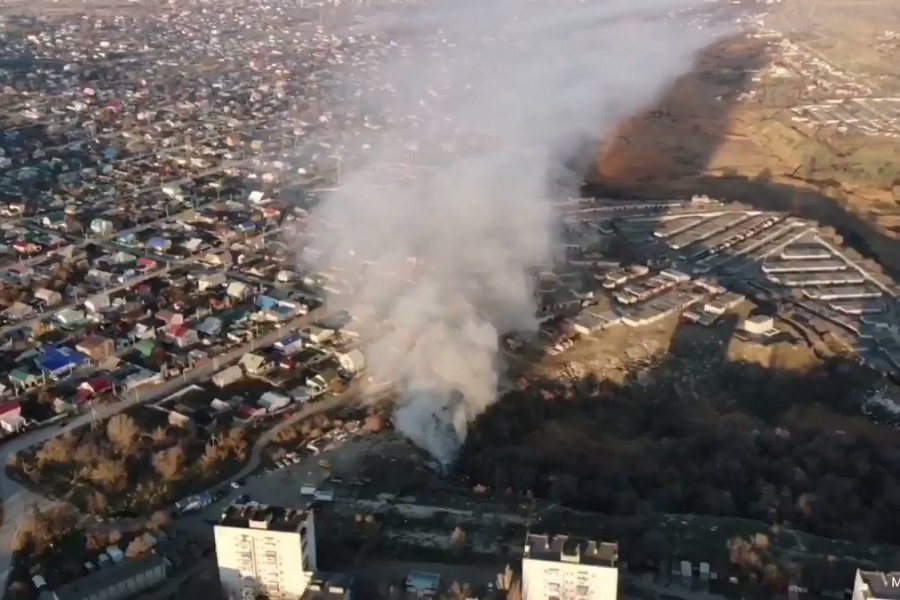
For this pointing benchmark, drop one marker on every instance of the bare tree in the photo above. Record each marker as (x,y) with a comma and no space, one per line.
(115,536)
(122,431)
(458,591)
(97,504)
(56,450)
(110,474)
(138,547)
(158,520)
(458,537)
(96,541)
(169,463)
(505,579)
(37,532)
(160,437)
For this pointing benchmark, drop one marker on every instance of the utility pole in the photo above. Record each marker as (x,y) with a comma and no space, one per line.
(93,415)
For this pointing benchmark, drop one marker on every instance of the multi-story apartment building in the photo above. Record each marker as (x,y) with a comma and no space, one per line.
(565,568)
(265,550)
(876,585)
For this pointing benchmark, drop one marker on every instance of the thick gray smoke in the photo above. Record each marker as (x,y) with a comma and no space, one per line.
(440,229)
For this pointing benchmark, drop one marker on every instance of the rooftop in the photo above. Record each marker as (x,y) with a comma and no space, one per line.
(271,518)
(105,578)
(881,584)
(565,548)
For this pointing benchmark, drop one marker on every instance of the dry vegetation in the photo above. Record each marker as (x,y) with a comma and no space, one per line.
(120,468)
(703,436)
(55,542)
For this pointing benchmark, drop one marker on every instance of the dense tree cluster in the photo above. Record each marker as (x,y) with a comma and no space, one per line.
(739,447)
(120,467)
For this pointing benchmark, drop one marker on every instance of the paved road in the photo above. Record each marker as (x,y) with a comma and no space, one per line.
(18,501)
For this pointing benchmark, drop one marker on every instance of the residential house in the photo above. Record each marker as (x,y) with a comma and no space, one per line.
(280,312)
(23,380)
(127,239)
(71,317)
(211,326)
(47,297)
(211,279)
(96,347)
(169,318)
(228,376)
(217,259)
(59,361)
(102,226)
(192,245)
(145,264)
(54,220)
(88,390)
(239,290)
(18,311)
(318,335)
(97,303)
(159,245)
(137,377)
(182,335)
(254,364)
(321,382)
(353,361)
(11,415)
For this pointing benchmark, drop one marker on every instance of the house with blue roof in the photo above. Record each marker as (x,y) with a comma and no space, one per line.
(266,302)
(159,244)
(58,361)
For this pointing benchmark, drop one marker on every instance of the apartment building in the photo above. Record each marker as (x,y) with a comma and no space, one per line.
(265,550)
(566,568)
(876,585)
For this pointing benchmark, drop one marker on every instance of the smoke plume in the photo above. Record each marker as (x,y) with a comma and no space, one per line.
(439,229)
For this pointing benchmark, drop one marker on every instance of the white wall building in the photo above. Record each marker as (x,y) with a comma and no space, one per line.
(876,585)
(565,568)
(265,550)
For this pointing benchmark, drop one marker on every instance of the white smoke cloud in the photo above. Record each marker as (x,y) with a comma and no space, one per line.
(491,95)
